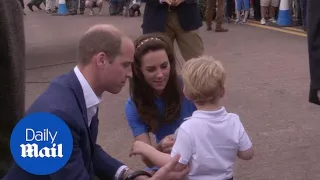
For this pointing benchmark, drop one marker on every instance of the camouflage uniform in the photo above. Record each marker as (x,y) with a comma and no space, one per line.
(202,4)
(215,10)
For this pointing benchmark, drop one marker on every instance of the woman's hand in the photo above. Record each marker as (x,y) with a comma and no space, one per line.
(166,144)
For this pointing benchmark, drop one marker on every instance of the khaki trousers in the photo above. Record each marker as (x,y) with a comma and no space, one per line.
(189,42)
(212,6)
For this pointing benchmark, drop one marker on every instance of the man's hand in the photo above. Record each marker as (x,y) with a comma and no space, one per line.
(170,172)
(177,2)
(318,93)
(166,144)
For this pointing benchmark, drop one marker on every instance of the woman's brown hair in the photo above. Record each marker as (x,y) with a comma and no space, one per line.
(143,95)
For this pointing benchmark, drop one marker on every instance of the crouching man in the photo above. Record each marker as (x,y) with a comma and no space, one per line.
(90,4)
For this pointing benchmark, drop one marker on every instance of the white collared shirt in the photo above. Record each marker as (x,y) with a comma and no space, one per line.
(92,103)
(91,99)
(210,141)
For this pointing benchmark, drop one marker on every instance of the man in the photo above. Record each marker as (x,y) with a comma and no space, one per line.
(12,75)
(303,8)
(295,12)
(213,9)
(180,20)
(116,7)
(257,10)
(313,21)
(74,6)
(230,9)
(90,4)
(105,58)
(51,6)
(269,6)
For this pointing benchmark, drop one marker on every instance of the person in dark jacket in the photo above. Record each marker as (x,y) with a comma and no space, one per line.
(313,22)
(12,75)
(180,20)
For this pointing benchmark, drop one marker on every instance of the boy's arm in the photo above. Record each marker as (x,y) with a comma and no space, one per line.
(152,154)
(245,151)
(183,146)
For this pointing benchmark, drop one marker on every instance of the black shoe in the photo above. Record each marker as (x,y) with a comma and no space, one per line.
(30,6)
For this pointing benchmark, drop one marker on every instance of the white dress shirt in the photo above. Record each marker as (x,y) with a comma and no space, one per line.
(92,103)
(210,141)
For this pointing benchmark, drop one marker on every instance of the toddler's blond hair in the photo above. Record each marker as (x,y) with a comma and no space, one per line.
(203,79)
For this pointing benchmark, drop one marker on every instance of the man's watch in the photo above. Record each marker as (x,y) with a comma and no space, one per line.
(135,174)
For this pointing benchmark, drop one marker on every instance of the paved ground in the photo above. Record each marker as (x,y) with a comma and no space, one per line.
(267,85)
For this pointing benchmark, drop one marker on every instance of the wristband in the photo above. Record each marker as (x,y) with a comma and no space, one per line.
(136,174)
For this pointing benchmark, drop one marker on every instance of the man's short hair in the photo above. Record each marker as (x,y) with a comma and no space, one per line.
(203,79)
(99,39)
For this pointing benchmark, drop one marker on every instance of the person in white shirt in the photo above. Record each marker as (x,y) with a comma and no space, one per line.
(211,139)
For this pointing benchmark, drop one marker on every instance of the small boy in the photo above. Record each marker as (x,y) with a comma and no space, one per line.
(211,139)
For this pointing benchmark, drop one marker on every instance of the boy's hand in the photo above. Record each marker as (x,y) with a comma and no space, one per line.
(318,93)
(137,148)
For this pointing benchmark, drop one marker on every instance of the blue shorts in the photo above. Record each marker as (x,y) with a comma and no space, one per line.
(243,5)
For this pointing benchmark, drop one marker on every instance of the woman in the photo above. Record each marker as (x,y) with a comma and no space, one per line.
(156,102)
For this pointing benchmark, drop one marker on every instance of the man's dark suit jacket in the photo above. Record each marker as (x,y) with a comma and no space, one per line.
(313,28)
(155,16)
(64,98)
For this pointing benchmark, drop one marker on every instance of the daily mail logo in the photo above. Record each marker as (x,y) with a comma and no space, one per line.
(32,150)
(41,143)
